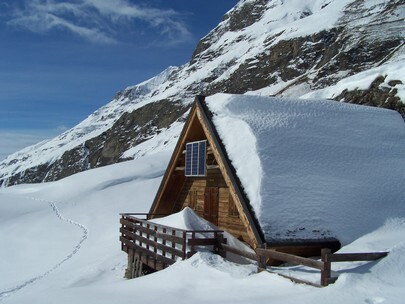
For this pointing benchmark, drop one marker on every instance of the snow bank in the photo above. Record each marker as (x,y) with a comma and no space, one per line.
(364,282)
(314,168)
(63,235)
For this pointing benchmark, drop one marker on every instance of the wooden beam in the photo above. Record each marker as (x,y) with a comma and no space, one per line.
(202,242)
(350,257)
(243,253)
(209,167)
(286,257)
(296,280)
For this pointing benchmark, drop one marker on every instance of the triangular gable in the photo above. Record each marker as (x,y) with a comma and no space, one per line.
(200,127)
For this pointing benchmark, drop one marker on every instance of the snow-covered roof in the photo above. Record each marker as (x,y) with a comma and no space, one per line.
(314,168)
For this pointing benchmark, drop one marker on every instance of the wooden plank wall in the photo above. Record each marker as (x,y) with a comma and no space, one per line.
(192,195)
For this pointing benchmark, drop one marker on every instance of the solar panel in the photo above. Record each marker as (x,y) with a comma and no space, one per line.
(196,158)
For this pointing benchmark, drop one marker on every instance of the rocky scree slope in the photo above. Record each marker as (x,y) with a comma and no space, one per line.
(347,50)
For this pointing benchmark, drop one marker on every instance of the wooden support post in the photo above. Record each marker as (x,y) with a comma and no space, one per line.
(147,244)
(173,244)
(135,267)
(216,246)
(326,271)
(141,235)
(139,266)
(220,240)
(164,242)
(192,250)
(184,245)
(155,239)
(261,261)
(128,271)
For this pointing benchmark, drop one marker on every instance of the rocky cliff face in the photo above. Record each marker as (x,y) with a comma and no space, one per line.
(348,50)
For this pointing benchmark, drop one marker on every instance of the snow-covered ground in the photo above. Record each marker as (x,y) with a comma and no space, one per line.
(59,244)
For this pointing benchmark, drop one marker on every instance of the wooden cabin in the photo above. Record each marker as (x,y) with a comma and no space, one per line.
(214,191)
(316,168)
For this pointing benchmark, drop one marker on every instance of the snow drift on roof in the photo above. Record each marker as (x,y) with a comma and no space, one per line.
(314,168)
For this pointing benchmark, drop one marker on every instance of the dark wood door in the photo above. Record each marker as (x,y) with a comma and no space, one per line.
(211,202)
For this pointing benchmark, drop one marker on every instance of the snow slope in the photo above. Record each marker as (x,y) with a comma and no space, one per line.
(59,244)
(306,163)
(362,81)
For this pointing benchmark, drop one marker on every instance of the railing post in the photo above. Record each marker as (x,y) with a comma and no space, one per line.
(184,245)
(220,240)
(173,244)
(164,230)
(261,261)
(192,250)
(147,245)
(141,235)
(155,239)
(326,272)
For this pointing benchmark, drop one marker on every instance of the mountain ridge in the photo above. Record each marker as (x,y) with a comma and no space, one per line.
(279,48)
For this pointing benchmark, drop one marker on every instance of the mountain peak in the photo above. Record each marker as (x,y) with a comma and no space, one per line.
(348,50)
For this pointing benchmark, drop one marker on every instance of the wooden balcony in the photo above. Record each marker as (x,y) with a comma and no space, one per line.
(152,246)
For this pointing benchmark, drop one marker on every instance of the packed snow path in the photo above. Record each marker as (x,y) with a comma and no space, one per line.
(8,292)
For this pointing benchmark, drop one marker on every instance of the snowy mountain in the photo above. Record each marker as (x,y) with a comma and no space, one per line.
(348,50)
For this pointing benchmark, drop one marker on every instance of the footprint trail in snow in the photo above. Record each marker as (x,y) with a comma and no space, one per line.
(9,292)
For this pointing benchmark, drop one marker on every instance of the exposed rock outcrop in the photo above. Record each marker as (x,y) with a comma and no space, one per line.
(271,47)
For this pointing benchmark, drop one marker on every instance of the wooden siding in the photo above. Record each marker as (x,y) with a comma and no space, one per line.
(192,195)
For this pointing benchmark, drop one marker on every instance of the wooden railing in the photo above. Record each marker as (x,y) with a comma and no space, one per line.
(324,265)
(327,257)
(159,246)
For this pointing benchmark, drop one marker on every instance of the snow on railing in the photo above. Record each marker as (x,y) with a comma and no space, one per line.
(159,246)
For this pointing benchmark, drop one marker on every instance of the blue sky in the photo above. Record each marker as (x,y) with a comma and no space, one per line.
(61,60)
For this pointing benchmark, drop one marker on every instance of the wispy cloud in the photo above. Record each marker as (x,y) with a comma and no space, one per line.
(98,21)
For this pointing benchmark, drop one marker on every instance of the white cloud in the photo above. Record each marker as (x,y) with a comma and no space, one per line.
(91,34)
(98,20)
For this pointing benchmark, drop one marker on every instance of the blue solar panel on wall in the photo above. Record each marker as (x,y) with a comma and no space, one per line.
(196,158)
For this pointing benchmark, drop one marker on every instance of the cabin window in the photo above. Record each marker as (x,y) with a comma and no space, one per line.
(196,158)
(232,211)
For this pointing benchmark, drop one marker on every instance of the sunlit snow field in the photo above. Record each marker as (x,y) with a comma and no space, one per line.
(60,244)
